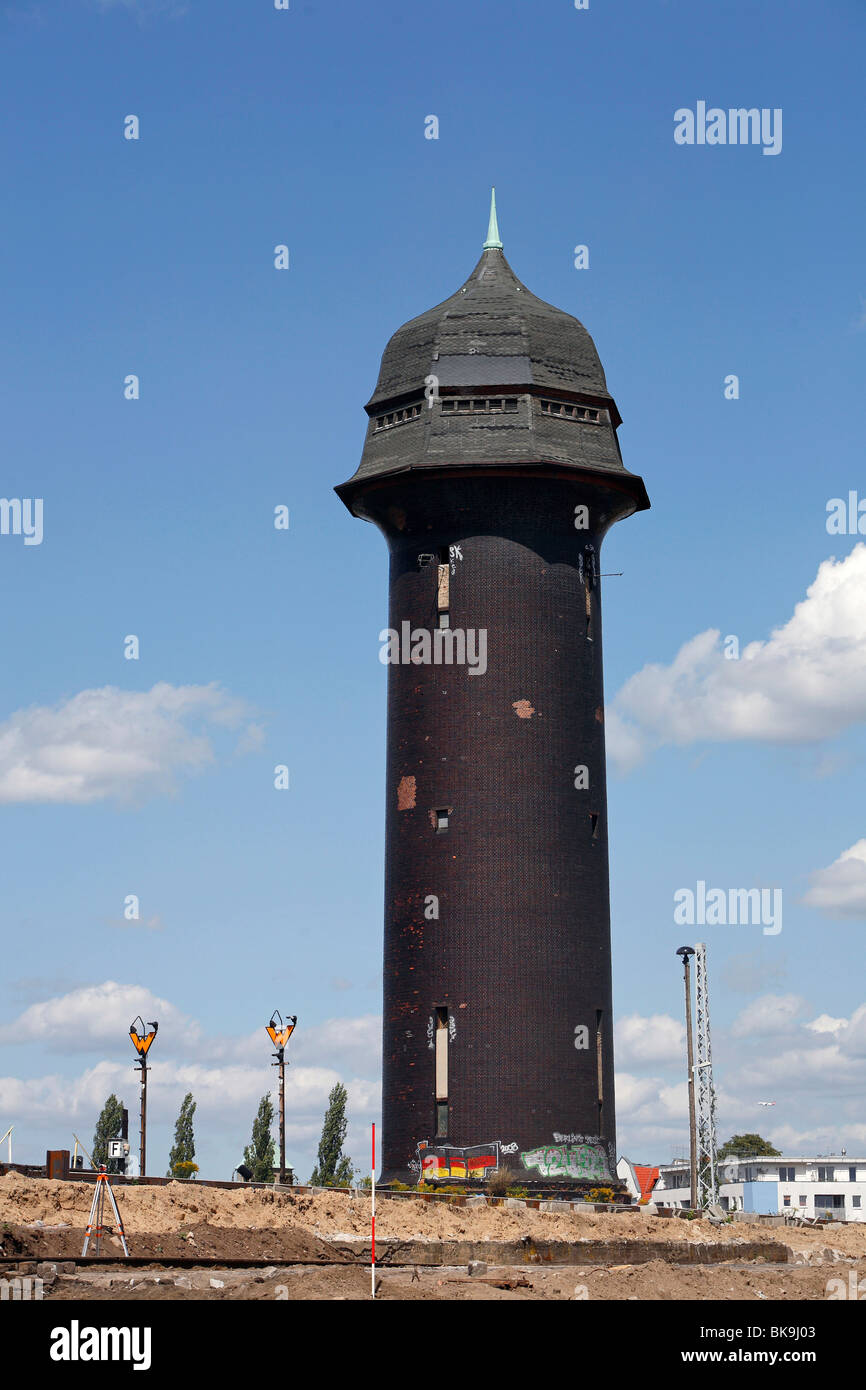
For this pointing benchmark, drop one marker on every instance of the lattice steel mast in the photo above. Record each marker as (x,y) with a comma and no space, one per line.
(704,1088)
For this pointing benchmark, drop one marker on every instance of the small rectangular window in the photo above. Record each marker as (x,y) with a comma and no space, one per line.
(441,821)
(802,1199)
(852,1174)
(855,1200)
(444,619)
(786,1201)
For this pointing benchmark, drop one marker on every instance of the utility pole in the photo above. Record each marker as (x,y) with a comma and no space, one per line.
(685,952)
(141,1042)
(279,1033)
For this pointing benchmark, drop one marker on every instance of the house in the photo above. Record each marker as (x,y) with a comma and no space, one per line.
(639,1178)
(831,1186)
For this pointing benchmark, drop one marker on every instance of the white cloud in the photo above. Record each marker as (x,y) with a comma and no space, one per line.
(632,1093)
(840,890)
(96,1016)
(226,1075)
(768,1014)
(853,1038)
(93,1017)
(814,1068)
(651,1101)
(806,682)
(222,1094)
(112,743)
(659,1038)
(355,1041)
(825,1024)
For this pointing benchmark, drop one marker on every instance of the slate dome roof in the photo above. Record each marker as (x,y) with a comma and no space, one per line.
(492,332)
(518,383)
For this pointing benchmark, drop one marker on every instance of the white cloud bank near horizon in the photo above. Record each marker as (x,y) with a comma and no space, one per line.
(804,683)
(227,1075)
(776,1048)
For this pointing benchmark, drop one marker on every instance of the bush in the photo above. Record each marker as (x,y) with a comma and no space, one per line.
(499,1183)
(185,1169)
(599,1194)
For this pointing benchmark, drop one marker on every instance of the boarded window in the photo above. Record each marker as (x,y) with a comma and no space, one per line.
(598,1058)
(441,1078)
(442,590)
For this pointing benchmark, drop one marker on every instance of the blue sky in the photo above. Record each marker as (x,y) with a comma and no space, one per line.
(259,647)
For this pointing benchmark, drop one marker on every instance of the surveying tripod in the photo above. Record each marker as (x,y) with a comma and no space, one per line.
(96,1226)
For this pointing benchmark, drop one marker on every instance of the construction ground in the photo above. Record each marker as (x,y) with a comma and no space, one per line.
(187,1241)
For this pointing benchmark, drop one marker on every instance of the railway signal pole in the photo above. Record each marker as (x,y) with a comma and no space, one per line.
(279,1033)
(141,1041)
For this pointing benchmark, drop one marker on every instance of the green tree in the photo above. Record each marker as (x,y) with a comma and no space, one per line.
(108,1126)
(747,1146)
(180,1159)
(259,1153)
(334,1168)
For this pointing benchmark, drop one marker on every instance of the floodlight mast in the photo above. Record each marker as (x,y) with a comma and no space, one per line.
(141,1041)
(279,1032)
(686,952)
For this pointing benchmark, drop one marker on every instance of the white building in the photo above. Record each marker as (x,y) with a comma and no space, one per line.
(829,1185)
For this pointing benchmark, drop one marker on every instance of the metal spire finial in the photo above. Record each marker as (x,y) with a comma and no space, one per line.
(493,242)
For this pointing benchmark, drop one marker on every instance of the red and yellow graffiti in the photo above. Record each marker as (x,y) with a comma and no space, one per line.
(438,1164)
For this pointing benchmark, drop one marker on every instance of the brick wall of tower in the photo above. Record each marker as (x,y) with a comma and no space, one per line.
(519,954)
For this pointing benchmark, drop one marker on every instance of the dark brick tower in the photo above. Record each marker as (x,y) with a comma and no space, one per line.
(492,467)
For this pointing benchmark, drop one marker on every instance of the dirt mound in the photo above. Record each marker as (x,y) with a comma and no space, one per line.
(259,1215)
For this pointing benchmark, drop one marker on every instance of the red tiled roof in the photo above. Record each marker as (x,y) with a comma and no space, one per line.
(646,1180)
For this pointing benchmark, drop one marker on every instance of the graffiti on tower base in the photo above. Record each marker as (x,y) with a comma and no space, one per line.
(580,1161)
(447,1161)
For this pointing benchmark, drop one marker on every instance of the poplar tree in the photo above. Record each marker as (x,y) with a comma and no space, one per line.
(259,1153)
(108,1126)
(180,1159)
(334,1168)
